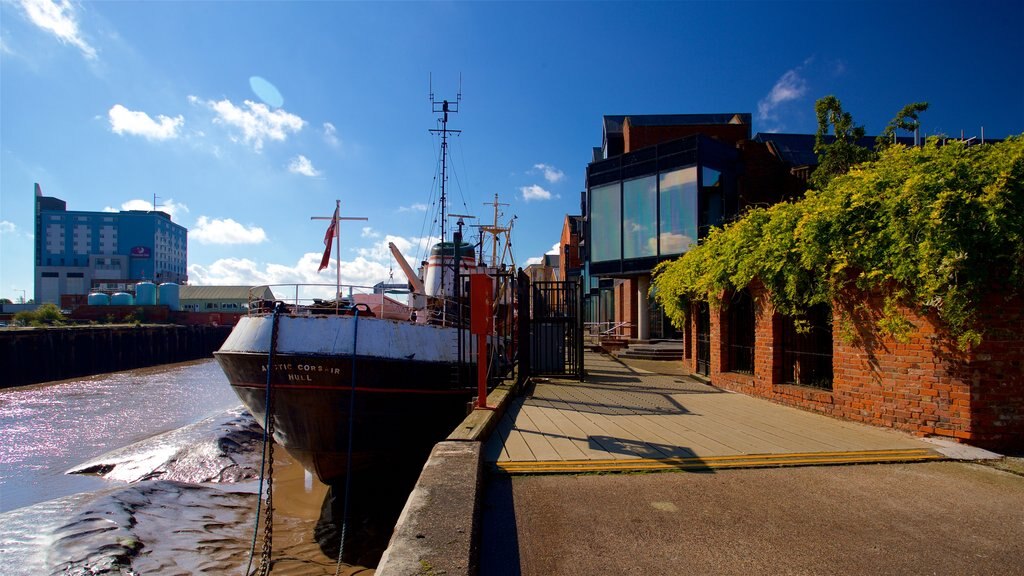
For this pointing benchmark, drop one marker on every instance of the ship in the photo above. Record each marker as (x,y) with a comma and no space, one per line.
(349,389)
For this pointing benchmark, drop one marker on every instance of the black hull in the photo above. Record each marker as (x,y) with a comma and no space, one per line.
(401,408)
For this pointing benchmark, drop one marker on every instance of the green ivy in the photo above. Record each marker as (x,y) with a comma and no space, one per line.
(936,228)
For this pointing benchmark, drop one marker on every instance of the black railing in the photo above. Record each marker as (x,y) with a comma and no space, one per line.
(703,339)
(741,333)
(556,328)
(807,349)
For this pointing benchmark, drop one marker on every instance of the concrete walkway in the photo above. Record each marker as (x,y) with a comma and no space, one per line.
(621,418)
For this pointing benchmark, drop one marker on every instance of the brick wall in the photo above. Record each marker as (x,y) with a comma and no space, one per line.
(925,385)
(626,304)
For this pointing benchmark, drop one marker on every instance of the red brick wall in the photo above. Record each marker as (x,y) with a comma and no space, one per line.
(637,137)
(925,386)
(626,304)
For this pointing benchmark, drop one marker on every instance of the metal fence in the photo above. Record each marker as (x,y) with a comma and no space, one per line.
(807,349)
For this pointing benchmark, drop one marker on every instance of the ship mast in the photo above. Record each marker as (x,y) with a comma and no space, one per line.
(444,107)
(336,239)
(494,230)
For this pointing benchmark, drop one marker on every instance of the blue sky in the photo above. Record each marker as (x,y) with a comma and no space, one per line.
(107,104)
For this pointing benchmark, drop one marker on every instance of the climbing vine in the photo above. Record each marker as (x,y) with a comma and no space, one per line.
(936,229)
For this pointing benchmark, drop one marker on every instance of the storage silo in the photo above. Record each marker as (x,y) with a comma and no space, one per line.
(169,296)
(99,299)
(122,299)
(145,294)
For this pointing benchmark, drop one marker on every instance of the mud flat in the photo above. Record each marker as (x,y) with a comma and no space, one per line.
(184,502)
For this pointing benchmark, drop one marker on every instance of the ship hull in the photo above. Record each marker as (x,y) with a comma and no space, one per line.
(391,403)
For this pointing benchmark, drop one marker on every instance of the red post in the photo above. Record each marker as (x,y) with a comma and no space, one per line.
(481,303)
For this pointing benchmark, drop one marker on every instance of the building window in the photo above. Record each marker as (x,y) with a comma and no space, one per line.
(639,223)
(678,198)
(605,223)
(712,199)
(807,348)
(741,333)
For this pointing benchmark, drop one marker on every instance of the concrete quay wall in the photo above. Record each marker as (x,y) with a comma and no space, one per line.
(33,355)
(438,531)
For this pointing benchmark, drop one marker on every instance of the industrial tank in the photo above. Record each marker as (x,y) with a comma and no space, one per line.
(99,299)
(122,299)
(145,294)
(169,296)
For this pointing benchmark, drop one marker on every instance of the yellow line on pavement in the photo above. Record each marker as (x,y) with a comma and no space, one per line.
(719,462)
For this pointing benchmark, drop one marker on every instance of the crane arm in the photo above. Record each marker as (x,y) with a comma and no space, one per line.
(414,280)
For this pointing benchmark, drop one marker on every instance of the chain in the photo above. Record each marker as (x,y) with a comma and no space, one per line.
(268,516)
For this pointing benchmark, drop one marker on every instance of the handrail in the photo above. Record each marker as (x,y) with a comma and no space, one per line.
(614,327)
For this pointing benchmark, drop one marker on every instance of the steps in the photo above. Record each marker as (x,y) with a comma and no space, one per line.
(666,350)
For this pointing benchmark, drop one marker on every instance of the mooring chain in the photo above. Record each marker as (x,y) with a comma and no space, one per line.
(268,518)
(268,513)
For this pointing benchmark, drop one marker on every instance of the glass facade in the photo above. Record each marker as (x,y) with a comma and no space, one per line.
(605,223)
(639,219)
(678,199)
(711,197)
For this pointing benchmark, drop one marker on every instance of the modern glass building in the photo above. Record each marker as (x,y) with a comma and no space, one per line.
(648,204)
(78,252)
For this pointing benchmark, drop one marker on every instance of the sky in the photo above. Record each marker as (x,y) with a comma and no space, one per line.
(246,119)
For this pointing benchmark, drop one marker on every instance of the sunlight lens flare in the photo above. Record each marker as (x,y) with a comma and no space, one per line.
(266,92)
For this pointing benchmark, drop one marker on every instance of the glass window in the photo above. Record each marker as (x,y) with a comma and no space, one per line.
(711,197)
(605,223)
(678,198)
(639,223)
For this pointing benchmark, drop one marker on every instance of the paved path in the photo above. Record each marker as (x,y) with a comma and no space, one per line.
(907,519)
(623,418)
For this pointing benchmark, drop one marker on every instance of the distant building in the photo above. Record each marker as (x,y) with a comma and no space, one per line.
(234,299)
(77,252)
(570,265)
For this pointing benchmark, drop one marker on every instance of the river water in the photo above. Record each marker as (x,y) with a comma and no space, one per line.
(172,491)
(48,428)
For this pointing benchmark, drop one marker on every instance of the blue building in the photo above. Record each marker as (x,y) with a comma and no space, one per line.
(78,252)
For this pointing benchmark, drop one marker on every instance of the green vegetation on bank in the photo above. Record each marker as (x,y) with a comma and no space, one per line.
(46,315)
(936,228)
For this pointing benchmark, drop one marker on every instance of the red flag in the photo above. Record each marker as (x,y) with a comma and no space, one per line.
(328,240)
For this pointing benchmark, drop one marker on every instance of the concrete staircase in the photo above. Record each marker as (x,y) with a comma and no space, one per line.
(663,350)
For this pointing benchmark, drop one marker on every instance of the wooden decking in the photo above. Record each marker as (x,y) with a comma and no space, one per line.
(629,419)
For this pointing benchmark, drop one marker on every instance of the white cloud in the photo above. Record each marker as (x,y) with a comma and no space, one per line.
(551,174)
(534,192)
(58,17)
(257,122)
(331,135)
(368,267)
(411,248)
(7,227)
(413,208)
(369,232)
(125,121)
(169,206)
(556,248)
(301,165)
(790,86)
(226,231)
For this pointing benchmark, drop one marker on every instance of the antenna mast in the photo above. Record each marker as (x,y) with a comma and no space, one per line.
(444,107)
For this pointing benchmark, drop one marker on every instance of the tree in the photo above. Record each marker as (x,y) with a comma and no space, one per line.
(46,314)
(838,156)
(6,301)
(906,119)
